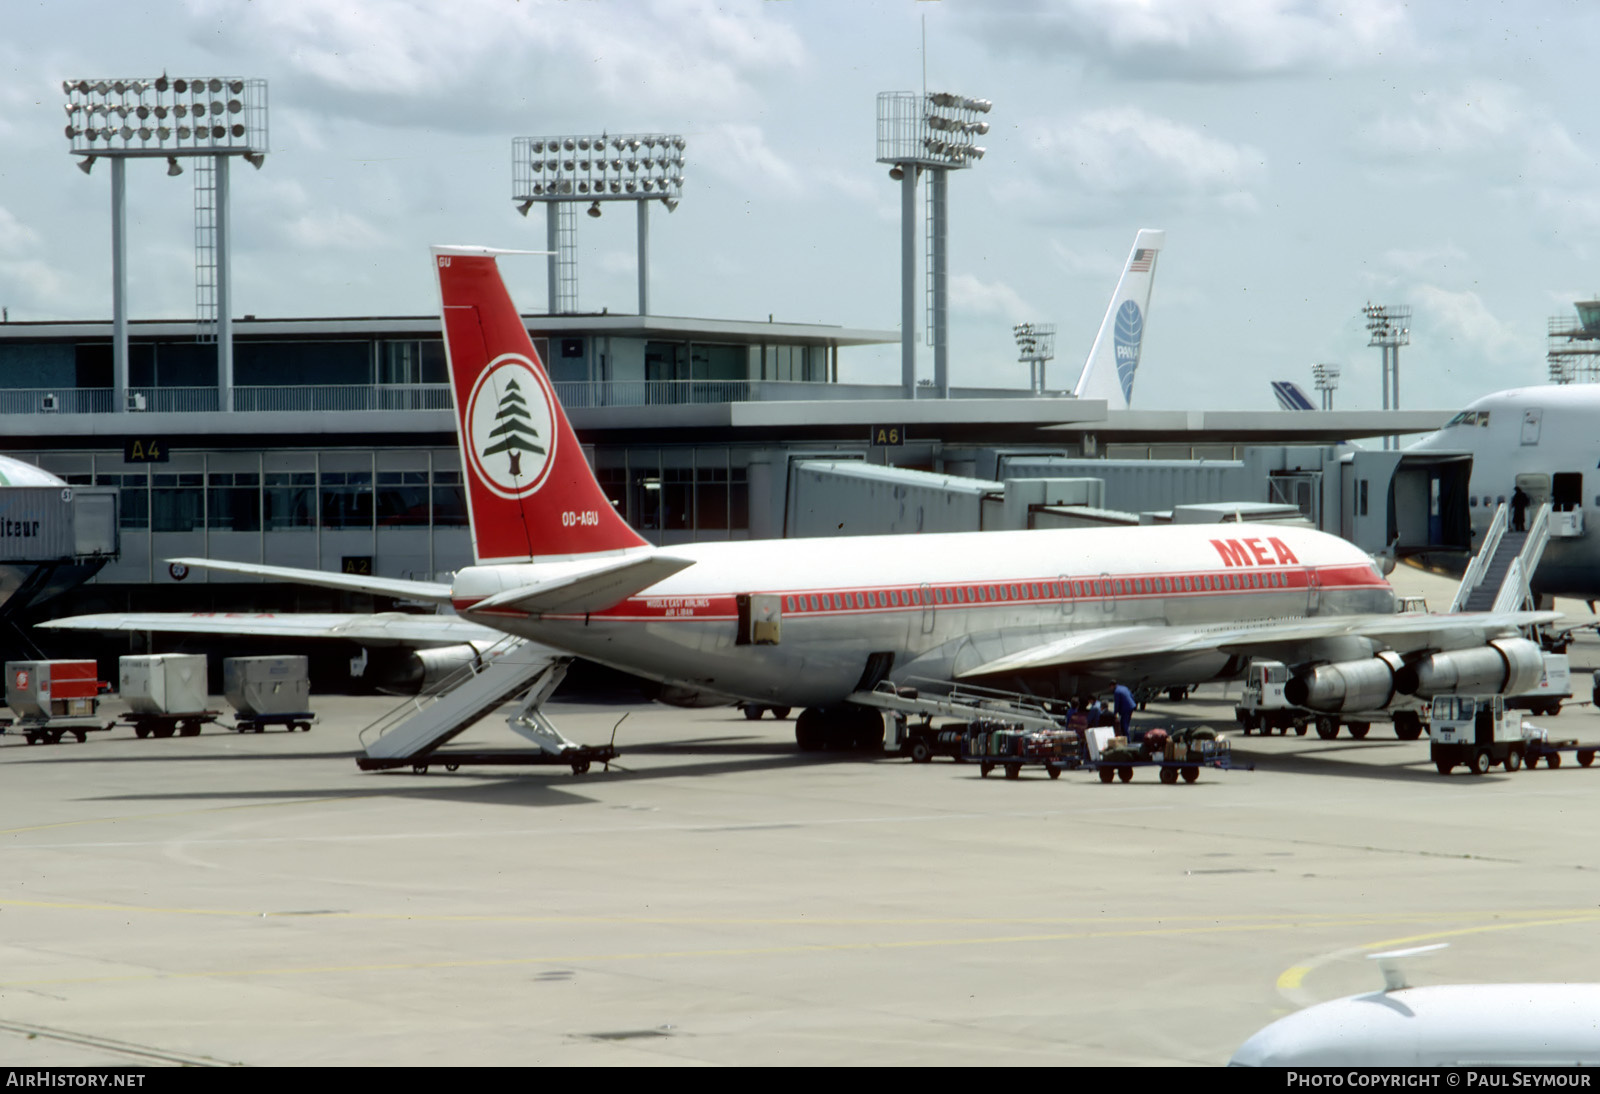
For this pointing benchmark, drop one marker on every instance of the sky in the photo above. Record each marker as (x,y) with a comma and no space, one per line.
(1305,158)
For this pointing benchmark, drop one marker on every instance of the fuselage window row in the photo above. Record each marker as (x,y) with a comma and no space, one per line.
(1033,591)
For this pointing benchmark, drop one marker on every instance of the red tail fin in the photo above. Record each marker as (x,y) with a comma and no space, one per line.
(530,493)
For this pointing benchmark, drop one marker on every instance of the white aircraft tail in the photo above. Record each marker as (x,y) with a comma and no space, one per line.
(1108,373)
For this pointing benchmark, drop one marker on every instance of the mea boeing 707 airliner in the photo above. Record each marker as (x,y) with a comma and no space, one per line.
(810,623)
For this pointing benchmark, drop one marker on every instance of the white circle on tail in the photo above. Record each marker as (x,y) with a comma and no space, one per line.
(510,427)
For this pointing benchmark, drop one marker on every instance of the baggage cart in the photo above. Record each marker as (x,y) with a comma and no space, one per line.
(1541,746)
(997,744)
(1179,754)
(289,720)
(53,699)
(167,725)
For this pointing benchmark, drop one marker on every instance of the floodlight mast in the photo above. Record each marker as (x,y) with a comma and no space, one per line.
(165,117)
(1325,378)
(563,171)
(1390,329)
(932,131)
(1036,345)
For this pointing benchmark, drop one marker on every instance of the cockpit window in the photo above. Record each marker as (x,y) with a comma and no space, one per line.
(1469,417)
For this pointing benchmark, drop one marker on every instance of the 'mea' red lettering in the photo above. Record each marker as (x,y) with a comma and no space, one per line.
(1251,552)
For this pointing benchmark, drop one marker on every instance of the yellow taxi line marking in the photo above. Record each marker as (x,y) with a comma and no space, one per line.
(1277,924)
(1292,978)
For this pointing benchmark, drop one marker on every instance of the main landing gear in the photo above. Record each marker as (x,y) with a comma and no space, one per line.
(839,728)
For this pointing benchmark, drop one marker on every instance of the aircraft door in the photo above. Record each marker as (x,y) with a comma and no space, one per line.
(926,593)
(1313,591)
(1537,487)
(760,619)
(1532,418)
(1435,512)
(1068,604)
(1566,491)
(1108,602)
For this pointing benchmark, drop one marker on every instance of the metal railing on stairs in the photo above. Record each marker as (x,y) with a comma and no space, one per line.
(1516,591)
(434,723)
(1480,561)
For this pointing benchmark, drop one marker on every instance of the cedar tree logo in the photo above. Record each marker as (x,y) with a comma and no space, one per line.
(510,427)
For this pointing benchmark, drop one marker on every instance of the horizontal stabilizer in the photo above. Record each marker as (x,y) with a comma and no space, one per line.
(400,628)
(361,583)
(587,591)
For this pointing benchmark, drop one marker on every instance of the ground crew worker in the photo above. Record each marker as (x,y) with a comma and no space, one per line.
(1122,700)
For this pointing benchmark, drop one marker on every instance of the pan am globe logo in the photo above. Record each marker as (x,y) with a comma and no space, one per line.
(1129,330)
(510,426)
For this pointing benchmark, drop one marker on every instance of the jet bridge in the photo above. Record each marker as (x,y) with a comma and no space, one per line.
(1406,501)
(411,734)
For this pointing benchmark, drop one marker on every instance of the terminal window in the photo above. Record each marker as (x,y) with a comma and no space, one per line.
(449,500)
(177,502)
(402,498)
(346,499)
(133,498)
(233,501)
(287,500)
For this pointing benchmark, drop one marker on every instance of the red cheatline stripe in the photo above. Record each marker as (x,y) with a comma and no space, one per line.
(1090,590)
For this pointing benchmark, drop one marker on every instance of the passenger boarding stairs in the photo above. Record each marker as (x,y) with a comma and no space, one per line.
(1500,576)
(966,703)
(510,666)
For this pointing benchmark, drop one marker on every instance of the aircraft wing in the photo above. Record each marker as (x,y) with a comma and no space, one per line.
(381,586)
(1402,633)
(369,629)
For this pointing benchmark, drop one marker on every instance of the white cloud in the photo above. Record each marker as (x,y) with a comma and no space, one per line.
(1426,260)
(1127,150)
(1512,145)
(1463,318)
(975,297)
(741,154)
(479,62)
(1204,39)
(1476,118)
(333,229)
(15,236)
(31,288)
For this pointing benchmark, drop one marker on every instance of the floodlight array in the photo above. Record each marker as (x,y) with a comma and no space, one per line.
(593,168)
(1035,341)
(1388,324)
(933,129)
(167,116)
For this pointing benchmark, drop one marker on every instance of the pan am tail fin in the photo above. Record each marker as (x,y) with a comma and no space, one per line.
(1108,373)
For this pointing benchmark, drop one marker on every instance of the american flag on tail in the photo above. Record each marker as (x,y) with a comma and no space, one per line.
(1142,260)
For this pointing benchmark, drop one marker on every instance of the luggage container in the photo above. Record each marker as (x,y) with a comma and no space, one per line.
(165,693)
(163,683)
(268,691)
(53,699)
(50,689)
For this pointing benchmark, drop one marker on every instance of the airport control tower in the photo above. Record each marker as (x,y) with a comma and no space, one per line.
(1573,345)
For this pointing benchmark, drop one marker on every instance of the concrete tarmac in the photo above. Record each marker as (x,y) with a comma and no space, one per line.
(719,898)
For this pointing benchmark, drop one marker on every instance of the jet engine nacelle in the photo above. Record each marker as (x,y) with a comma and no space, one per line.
(1367,684)
(1506,666)
(399,671)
